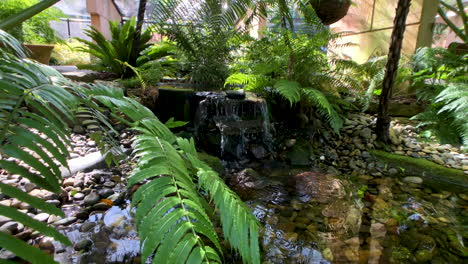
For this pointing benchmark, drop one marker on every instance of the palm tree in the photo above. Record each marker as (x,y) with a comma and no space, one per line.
(383,120)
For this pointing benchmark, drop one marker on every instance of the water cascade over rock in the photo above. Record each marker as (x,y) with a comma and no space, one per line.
(233,125)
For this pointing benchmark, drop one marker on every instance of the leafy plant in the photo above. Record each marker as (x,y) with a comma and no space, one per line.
(295,66)
(25,85)
(178,190)
(36,29)
(67,54)
(440,77)
(119,48)
(173,182)
(202,33)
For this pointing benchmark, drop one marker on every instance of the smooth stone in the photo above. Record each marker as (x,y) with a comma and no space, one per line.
(109,184)
(91,199)
(42,217)
(106,192)
(9,227)
(116,178)
(65,221)
(46,243)
(4,219)
(84,245)
(78,196)
(29,186)
(101,207)
(413,179)
(87,226)
(68,182)
(366,133)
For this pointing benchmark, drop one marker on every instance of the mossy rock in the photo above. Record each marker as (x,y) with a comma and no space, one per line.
(212,161)
(434,175)
(299,154)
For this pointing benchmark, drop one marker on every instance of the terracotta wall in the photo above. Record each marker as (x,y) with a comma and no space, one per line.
(101,12)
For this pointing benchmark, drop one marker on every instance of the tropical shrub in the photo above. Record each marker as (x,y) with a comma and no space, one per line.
(179,194)
(112,55)
(202,33)
(35,30)
(295,66)
(440,77)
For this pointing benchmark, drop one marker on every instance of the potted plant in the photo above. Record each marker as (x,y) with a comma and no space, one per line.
(28,21)
(330,11)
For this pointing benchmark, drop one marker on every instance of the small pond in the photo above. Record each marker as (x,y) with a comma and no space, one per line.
(312,217)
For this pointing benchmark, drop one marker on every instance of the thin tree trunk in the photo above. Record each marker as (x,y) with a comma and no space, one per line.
(383,120)
(137,37)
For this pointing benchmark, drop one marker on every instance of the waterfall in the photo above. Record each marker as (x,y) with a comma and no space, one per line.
(235,128)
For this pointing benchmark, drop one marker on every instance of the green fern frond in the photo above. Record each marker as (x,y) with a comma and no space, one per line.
(290,90)
(33,105)
(171,194)
(324,108)
(10,45)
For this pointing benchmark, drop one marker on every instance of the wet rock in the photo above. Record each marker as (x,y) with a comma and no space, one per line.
(9,227)
(66,221)
(109,184)
(366,133)
(42,217)
(87,226)
(83,245)
(47,244)
(43,194)
(318,186)
(105,193)
(68,182)
(4,219)
(246,182)
(258,151)
(101,207)
(116,178)
(91,199)
(78,196)
(24,235)
(413,179)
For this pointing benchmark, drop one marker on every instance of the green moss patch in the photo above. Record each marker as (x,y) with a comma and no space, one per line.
(434,175)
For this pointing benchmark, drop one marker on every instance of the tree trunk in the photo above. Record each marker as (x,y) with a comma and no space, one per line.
(383,120)
(136,39)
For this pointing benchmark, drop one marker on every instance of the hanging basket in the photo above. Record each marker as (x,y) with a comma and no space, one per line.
(330,11)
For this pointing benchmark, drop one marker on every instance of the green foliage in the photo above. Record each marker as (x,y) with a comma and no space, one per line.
(440,77)
(203,34)
(174,179)
(180,193)
(32,104)
(296,67)
(67,53)
(119,48)
(35,30)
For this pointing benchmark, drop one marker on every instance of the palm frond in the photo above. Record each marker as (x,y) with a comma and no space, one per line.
(8,44)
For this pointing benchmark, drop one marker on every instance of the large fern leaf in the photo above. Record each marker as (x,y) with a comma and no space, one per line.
(290,90)
(32,106)
(173,179)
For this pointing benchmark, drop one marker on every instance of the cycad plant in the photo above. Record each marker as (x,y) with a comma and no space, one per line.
(179,195)
(111,55)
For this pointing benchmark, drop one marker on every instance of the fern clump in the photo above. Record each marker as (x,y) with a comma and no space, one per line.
(440,78)
(295,67)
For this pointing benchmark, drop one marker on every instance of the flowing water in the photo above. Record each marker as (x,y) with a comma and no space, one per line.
(318,218)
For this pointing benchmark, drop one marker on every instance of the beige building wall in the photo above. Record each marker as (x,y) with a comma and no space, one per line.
(369,25)
(101,12)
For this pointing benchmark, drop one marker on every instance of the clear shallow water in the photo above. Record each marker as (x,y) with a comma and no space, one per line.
(336,219)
